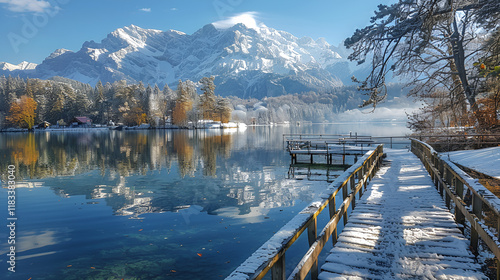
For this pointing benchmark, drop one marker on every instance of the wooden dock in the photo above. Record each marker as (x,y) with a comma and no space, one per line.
(326,146)
(401,229)
(397,224)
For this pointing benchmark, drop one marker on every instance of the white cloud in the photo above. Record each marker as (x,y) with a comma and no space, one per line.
(35,6)
(247,18)
(173,9)
(147,10)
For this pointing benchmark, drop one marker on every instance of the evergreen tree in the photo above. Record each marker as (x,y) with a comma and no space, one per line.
(169,102)
(223,110)
(99,103)
(29,89)
(145,99)
(207,99)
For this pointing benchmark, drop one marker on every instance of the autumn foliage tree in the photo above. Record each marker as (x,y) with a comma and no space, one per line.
(183,105)
(135,116)
(22,112)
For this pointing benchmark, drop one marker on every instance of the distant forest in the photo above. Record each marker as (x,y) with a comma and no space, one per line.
(59,100)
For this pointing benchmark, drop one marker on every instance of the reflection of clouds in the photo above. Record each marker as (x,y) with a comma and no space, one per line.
(28,185)
(189,210)
(269,192)
(31,240)
(35,255)
(256,214)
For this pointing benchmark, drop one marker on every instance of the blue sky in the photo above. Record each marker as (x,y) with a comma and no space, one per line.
(32,29)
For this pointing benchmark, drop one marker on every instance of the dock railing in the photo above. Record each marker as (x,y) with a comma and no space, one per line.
(271,255)
(470,201)
(294,141)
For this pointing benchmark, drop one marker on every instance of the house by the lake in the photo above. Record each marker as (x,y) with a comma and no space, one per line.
(81,122)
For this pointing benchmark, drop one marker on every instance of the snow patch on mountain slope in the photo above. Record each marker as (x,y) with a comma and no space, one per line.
(21,66)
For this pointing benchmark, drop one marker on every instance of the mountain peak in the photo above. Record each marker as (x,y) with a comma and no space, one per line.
(247,19)
(57,53)
(133,31)
(24,65)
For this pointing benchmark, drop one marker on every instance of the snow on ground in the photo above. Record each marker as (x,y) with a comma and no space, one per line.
(401,229)
(486,160)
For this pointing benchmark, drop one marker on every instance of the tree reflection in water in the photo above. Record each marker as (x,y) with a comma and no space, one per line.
(138,172)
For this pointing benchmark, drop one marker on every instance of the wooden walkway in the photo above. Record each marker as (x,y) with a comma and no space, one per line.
(401,229)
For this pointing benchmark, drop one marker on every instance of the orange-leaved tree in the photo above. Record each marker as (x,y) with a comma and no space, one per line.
(136,116)
(22,112)
(183,105)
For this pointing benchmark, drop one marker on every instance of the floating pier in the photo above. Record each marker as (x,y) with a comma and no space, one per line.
(326,146)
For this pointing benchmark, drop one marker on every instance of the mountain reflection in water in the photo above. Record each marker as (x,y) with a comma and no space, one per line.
(139,172)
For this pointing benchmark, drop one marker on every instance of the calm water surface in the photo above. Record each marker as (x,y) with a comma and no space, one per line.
(151,204)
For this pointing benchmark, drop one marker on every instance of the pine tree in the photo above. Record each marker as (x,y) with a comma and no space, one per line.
(29,89)
(99,102)
(223,110)
(207,99)
(169,101)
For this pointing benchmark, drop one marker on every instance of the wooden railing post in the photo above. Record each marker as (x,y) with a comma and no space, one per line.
(344,196)
(459,190)
(372,161)
(498,267)
(364,172)
(477,208)
(448,200)
(312,234)
(441,187)
(360,177)
(278,271)
(331,209)
(352,183)
(447,196)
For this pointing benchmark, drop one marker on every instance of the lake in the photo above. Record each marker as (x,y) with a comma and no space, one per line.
(155,204)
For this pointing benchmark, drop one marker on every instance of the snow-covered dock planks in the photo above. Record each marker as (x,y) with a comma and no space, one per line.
(401,229)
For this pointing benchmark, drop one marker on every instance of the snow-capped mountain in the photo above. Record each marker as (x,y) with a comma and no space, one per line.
(5,66)
(254,61)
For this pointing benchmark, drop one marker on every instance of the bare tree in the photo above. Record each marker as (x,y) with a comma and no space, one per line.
(432,43)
